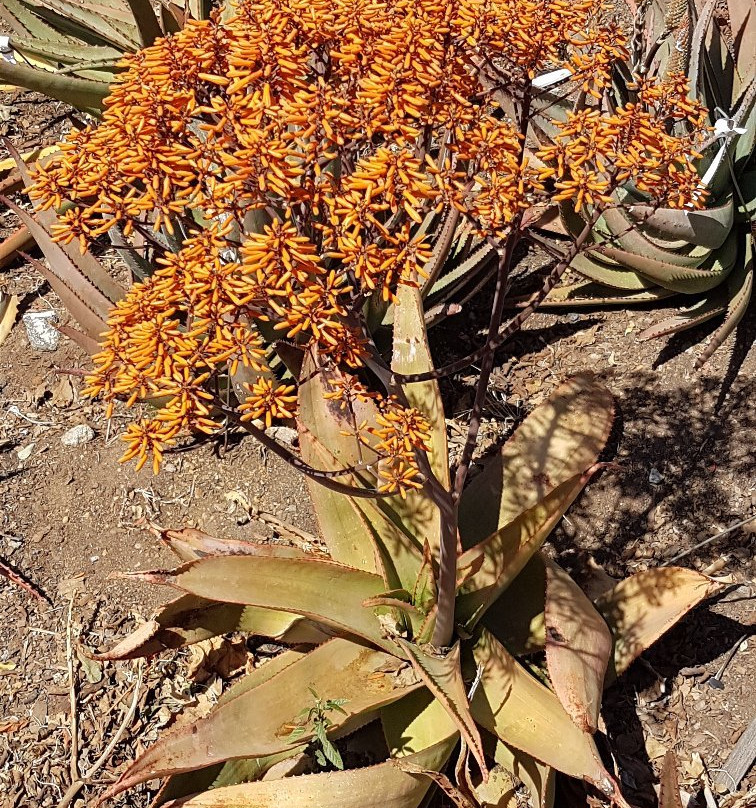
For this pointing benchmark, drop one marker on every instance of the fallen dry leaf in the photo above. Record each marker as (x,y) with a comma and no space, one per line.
(13,724)
(8,311)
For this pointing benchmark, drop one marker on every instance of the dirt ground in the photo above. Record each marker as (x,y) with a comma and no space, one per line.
(71,517)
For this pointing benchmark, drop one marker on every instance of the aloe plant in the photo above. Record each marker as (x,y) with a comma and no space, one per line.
(643,251)
(71,50)
(305,180)
(361,619)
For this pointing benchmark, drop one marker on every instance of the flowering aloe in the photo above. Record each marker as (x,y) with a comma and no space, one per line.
(309,178)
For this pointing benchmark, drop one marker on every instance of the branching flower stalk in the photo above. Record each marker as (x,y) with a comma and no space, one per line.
(296,166)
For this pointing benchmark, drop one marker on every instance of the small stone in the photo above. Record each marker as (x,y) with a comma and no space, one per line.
(77,435)
(655,477)
(283,434)
(573,317)
(24,453)
(40,328)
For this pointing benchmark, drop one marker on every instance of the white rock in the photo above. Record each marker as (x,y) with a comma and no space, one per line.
(40,328)
(77,435)
(283,434)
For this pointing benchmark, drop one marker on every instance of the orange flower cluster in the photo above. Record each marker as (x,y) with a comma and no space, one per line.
(296,153)
(595,151)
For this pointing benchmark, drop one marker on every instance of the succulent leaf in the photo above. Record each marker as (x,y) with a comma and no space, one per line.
(560,438)
(578,647)
(645,605)
(259,721)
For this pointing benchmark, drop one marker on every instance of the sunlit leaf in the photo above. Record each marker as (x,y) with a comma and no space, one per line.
(260,721)
(381,786)
(442,675)
(509,549)
(645,605)
(324,591)
(524,714)
(559,439)
(578,647)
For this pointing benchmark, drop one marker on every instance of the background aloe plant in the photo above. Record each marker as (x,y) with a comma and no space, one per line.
(361,617)
(645,252)
(71,50)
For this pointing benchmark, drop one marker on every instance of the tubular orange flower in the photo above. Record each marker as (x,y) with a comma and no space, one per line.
(288,162)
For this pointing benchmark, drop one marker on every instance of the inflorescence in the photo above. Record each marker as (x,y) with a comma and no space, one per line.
(291,151)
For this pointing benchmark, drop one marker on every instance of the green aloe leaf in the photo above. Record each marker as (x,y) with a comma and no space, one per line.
(191,619)
(323,591)
(516,618)
(708,274)
(24,22)
(363,533)
(522,713)
(81,93)
(540,780)
(442,675)
(562,437)
(146,21)
(109,23)
(645,605)
(739,291)
(705,228)
(609,273)
(259,721)
(500,558)
(381,786)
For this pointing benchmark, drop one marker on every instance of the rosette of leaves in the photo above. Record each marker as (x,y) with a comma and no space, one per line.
(514,697)
(70,50)
(646,252)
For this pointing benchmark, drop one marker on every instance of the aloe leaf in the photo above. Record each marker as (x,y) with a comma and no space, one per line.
(191,619)
(450,283)
(562,437)
(516,618)
(109,23)
(578,647)
(411,354)
(609,274)
(707,275)
(23,21)
(626,235)
(86,264)
(540,780)
(381,786)
(146,21)
(669,790)
(365,533)
(259,722)
(190,544)
(81,93)
(699,313)
(75,304)
(85,342)
(739,291)
(645,605)
(322,424)
(706,228)
(506,551)
(524,714)
(88,305)
(187,783)
(415,722)
(286,584)
(65,52)
(442,675)
(587,293)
